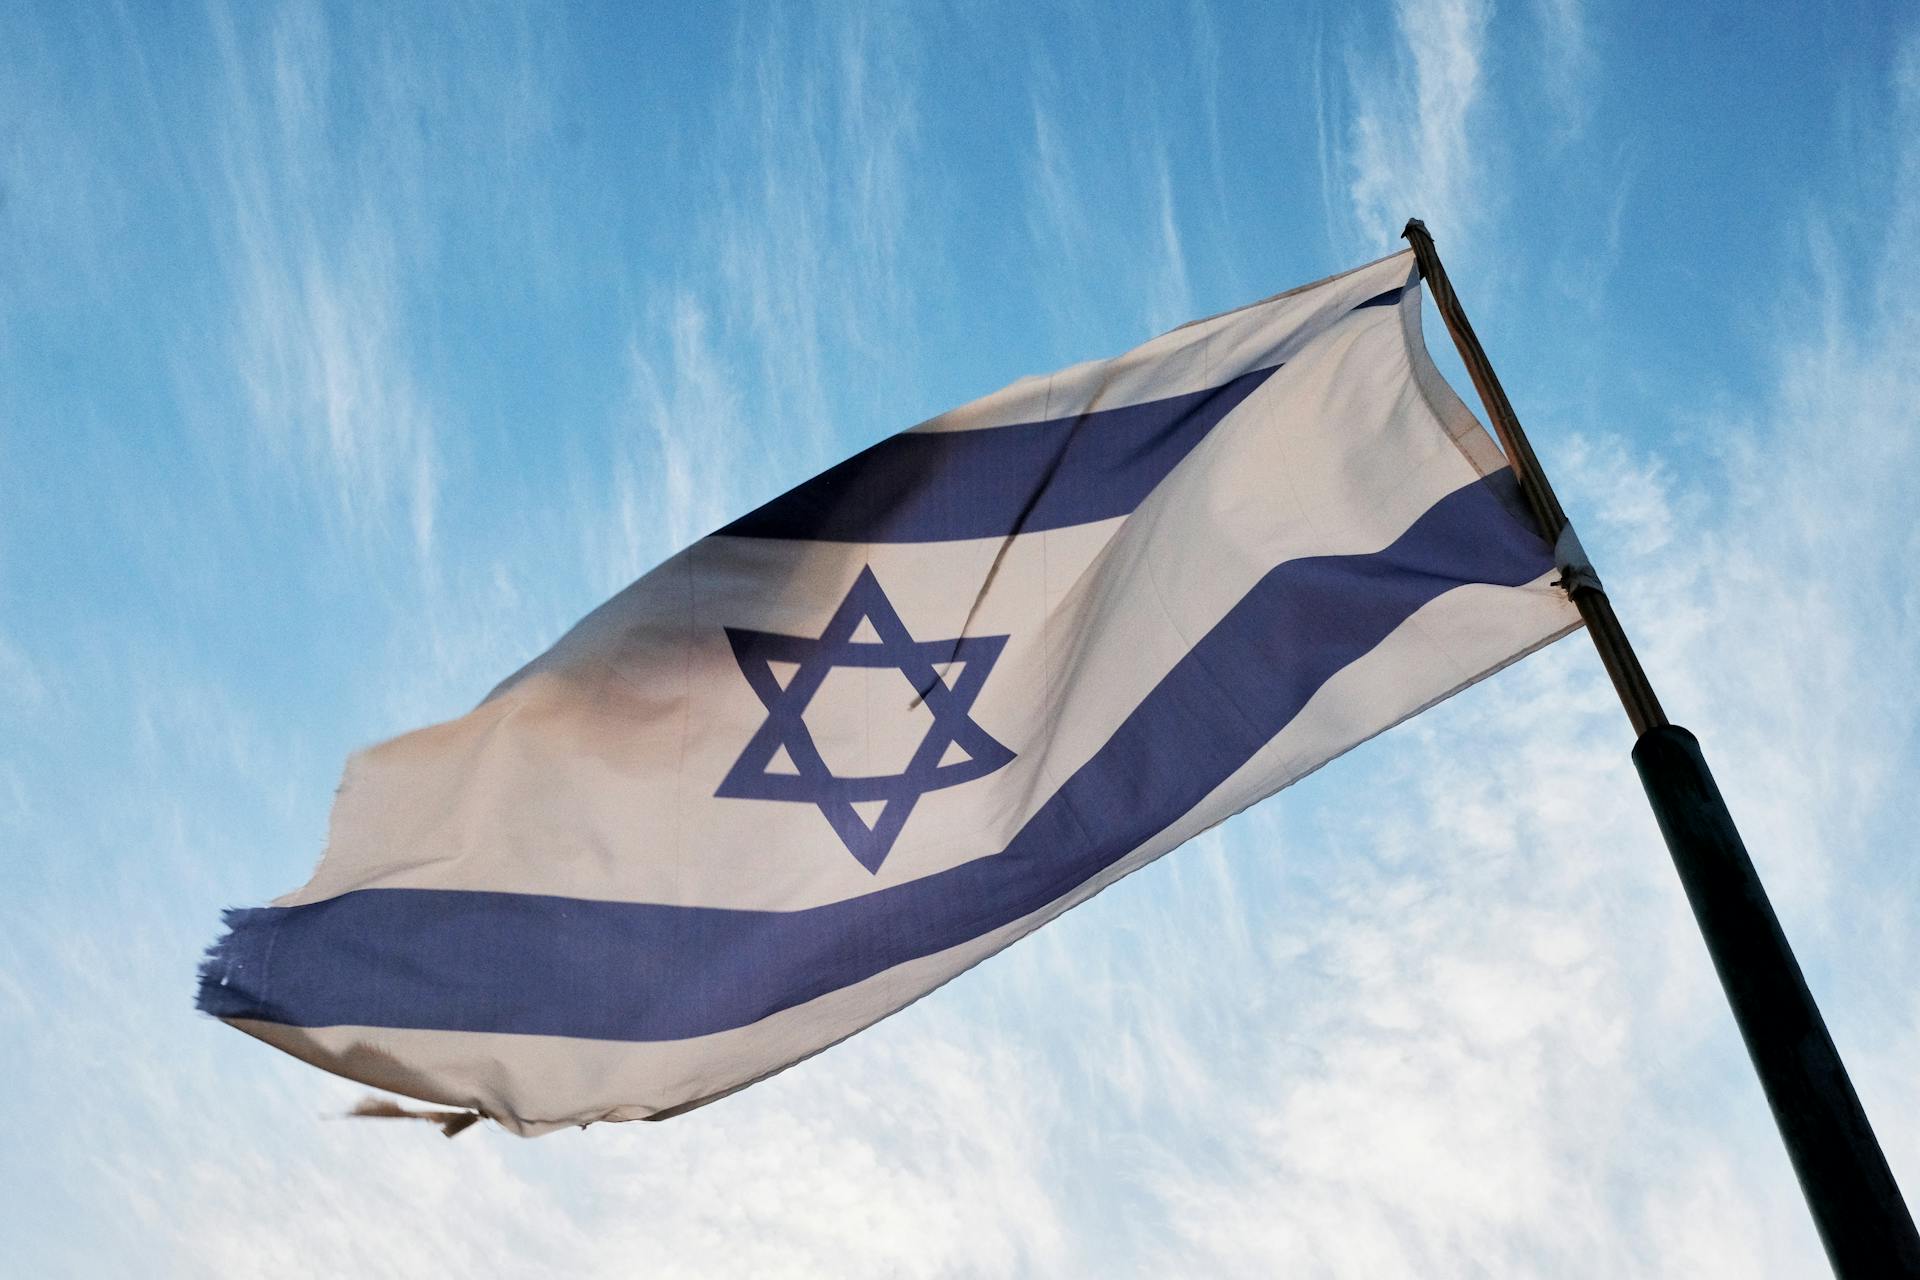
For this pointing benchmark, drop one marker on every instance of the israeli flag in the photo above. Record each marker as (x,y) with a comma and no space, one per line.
(864,737)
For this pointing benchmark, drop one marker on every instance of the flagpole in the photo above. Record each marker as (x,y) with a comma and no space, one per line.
(1856,1205)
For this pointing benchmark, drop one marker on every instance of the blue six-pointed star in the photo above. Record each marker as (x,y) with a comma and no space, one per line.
(812,782)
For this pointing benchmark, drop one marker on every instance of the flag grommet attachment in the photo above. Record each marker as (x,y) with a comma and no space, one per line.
(1577,573)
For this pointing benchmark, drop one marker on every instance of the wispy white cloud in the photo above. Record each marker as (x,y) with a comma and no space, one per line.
(799,253)
(1410,148)
(1071,209)
(1170,292)
(316,255)
(1057,215)
(1568,61)
(354,149)
(1205,44)
(687,403)
(810,224)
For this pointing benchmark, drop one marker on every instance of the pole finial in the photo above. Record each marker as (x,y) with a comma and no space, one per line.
(1413,225)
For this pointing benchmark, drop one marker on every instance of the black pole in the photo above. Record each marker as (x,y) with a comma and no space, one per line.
(1863,1223)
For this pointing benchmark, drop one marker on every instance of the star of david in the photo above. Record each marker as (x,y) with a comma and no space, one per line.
(949,698)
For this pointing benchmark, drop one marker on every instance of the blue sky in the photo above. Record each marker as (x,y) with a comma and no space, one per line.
(352,353)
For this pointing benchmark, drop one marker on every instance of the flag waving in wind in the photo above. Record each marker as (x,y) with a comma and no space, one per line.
(858,740)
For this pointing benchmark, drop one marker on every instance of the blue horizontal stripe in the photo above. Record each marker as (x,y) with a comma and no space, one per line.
(938,486)
(473,961)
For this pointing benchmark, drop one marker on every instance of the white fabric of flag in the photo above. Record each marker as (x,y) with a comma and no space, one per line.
(857,741)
